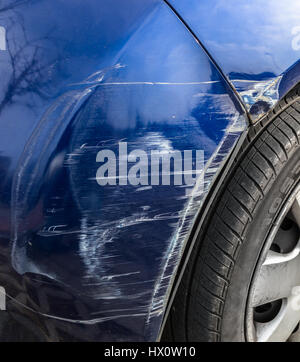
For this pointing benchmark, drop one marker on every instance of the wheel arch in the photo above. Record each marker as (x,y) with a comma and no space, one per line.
(194,242)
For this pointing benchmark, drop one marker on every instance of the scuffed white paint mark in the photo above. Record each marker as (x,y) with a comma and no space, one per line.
(59,114)
(104,84)
(78,321)
(111,277)
(195,200)
(260,96)
(143,188)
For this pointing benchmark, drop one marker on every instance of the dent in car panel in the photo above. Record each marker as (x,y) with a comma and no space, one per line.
(79,260)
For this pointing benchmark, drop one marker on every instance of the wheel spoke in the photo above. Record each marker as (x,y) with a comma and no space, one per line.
(274,303)
(281,328)
(278,275)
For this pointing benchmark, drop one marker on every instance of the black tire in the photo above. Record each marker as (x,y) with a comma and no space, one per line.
(210,304)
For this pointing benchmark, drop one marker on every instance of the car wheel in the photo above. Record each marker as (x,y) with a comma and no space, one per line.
(243,280)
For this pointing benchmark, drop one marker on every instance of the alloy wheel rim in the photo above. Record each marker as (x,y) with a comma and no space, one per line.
(273,310)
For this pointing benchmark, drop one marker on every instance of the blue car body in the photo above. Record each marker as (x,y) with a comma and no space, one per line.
(80,261)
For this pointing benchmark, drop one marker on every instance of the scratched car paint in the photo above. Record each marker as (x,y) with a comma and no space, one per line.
(84,262)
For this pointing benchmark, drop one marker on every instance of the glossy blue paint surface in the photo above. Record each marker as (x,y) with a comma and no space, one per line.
(256,44)
(82,261)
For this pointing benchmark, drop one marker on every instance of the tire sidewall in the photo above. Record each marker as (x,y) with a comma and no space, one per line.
(254,239)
